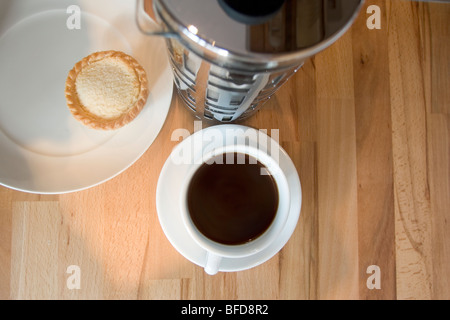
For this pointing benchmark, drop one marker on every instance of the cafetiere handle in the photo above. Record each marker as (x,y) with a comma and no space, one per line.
(147,25)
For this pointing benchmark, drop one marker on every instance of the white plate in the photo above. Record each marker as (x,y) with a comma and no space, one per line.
(43,149)
(177,167)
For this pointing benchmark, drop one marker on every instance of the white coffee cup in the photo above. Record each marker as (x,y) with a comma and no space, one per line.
(216,251)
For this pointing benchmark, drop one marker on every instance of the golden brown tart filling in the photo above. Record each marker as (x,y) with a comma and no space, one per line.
(106,90)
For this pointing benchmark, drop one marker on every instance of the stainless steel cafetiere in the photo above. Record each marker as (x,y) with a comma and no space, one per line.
(230,56)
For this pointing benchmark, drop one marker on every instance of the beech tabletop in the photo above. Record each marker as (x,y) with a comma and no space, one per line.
(366,123)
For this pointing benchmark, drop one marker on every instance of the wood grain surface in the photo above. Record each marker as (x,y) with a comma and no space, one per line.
(367,124)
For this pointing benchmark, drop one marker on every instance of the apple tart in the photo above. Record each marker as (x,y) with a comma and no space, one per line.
(106,90)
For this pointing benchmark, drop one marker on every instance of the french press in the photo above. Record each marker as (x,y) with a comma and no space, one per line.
(230,56)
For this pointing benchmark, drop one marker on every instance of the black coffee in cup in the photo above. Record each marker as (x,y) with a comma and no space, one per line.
(232,203)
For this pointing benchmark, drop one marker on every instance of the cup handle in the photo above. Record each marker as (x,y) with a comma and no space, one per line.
(146,24)
(212,263)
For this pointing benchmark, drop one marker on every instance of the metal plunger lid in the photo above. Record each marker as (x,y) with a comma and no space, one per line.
(257,35)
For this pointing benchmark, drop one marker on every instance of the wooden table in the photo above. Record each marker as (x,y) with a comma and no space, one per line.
(366,123)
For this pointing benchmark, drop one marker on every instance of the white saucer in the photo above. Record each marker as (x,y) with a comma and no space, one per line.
(175,171)
(43,149)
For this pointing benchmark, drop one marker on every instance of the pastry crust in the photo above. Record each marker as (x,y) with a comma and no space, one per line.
(106,90)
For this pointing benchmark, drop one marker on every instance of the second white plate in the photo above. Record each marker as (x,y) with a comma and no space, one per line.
(43,149)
